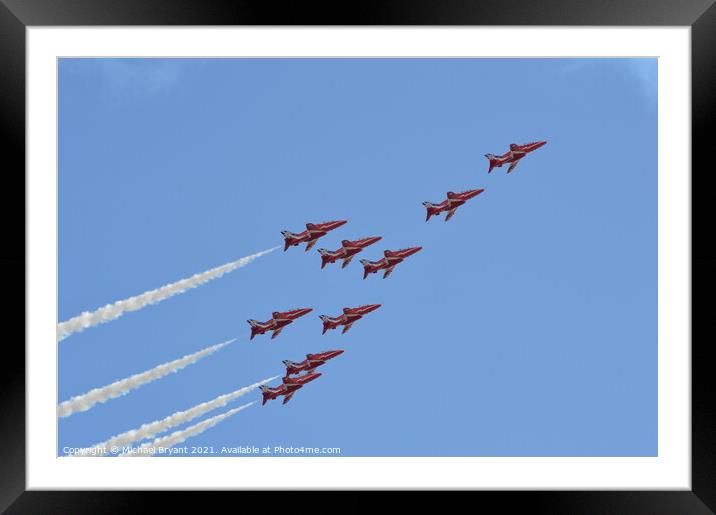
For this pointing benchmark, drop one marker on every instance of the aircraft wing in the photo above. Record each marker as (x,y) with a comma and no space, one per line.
(346,327)
(388,271)
(347,261)
(310,245)
(512,166)
(288,397)
(450,214)
(276,332)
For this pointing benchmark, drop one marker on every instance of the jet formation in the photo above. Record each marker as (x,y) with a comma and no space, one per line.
(304,372)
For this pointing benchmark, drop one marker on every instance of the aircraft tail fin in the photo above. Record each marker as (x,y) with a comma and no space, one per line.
(287,235)
(365,268)
(326,322)
(254,328)
(325,259)
(493,161)
(265,394)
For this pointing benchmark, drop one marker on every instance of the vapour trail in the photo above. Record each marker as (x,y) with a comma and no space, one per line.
(112,311)
(123,386)
(152,429)
(177,437)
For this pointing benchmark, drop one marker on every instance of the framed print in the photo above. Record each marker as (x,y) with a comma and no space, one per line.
(445,248)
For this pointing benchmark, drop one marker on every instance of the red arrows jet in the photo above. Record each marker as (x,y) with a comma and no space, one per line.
(310,235)
(513,156)
(347,251)
(390,259)
(349,316)
(278,321)
(311,362)
(451,203)
(288,388)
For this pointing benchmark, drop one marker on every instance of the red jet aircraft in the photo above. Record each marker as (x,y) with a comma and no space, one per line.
(451,203)
(347,251)
(310,235)
(311,362)
(288,388)
(390,259)
(349,316)
(278,321)
(514,155)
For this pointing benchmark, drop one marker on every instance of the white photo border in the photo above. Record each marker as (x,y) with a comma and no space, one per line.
(670,470)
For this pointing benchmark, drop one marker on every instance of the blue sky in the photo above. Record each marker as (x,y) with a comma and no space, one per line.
(527,326)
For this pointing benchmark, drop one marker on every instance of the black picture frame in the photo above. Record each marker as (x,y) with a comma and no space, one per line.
(700,15)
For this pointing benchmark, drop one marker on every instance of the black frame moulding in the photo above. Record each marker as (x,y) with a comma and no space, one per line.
(16,15)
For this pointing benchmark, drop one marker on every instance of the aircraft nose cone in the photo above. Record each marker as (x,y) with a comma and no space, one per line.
(338,352)
(338,223)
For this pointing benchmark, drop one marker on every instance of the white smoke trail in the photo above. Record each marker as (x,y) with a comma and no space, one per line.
(152,429)
(177,437)
(112,311)
(88,400)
